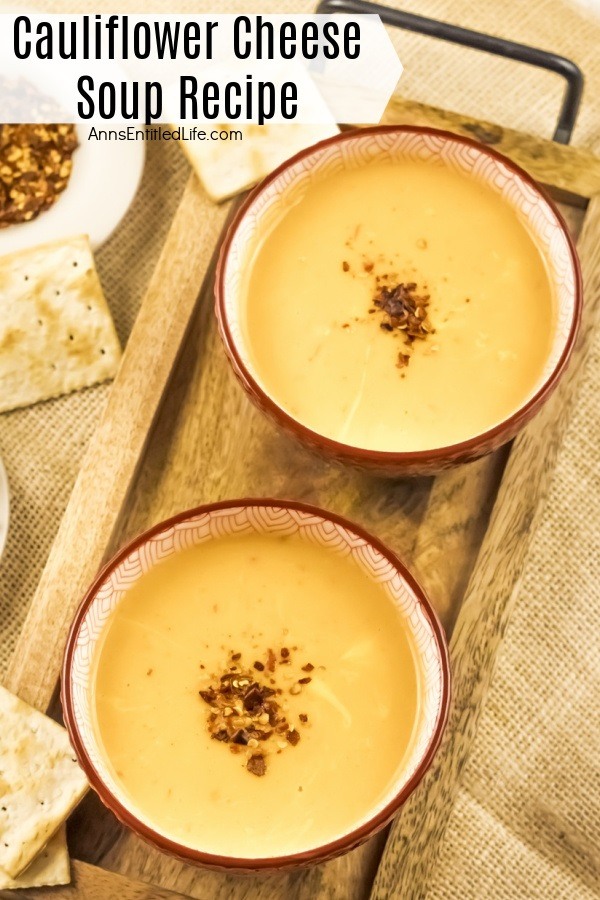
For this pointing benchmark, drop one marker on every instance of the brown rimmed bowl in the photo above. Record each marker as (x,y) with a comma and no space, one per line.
(212,522)
(286,185)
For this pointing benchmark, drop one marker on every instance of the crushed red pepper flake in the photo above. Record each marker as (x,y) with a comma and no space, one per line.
(404,309)
(35,167)
(405,312)
(246,713)
(209,696)
(257,765)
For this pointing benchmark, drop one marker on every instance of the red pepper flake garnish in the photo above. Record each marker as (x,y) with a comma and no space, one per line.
(254,696)
(256,765)
(368,266)
(246,713)
(208,696)
(236,656)
(303,717)
(405,311)
(346,266)
(35,165)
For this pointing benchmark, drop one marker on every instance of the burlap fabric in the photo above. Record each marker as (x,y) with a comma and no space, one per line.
(526,823)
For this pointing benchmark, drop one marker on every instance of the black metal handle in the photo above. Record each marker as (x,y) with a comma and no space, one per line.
(487,42)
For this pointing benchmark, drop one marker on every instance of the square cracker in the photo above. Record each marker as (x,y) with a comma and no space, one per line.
(56,330)
(226,168)
(50,867)
(40,782)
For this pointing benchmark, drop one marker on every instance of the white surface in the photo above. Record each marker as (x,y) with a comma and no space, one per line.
(4,507)
(103,183)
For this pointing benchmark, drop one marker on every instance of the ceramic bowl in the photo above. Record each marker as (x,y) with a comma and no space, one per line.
(104,182)
(287,185)
(210,523)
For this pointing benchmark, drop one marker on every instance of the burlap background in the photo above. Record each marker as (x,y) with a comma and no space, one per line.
(527,819)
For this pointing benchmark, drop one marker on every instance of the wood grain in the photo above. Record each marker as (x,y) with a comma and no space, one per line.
(572,172)
(453,527)
(347,878)
(416,836)
(116,449)
(91,883)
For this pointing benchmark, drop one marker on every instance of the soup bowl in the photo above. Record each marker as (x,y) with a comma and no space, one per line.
(266,207)
(314,531)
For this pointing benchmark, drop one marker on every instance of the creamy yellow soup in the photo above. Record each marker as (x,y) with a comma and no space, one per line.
(315,336)
(334,651)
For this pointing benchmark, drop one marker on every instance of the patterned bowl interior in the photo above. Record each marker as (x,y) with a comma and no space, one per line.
(356,150)
(211,525)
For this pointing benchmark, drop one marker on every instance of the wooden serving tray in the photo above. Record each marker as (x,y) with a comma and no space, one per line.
(178,431)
